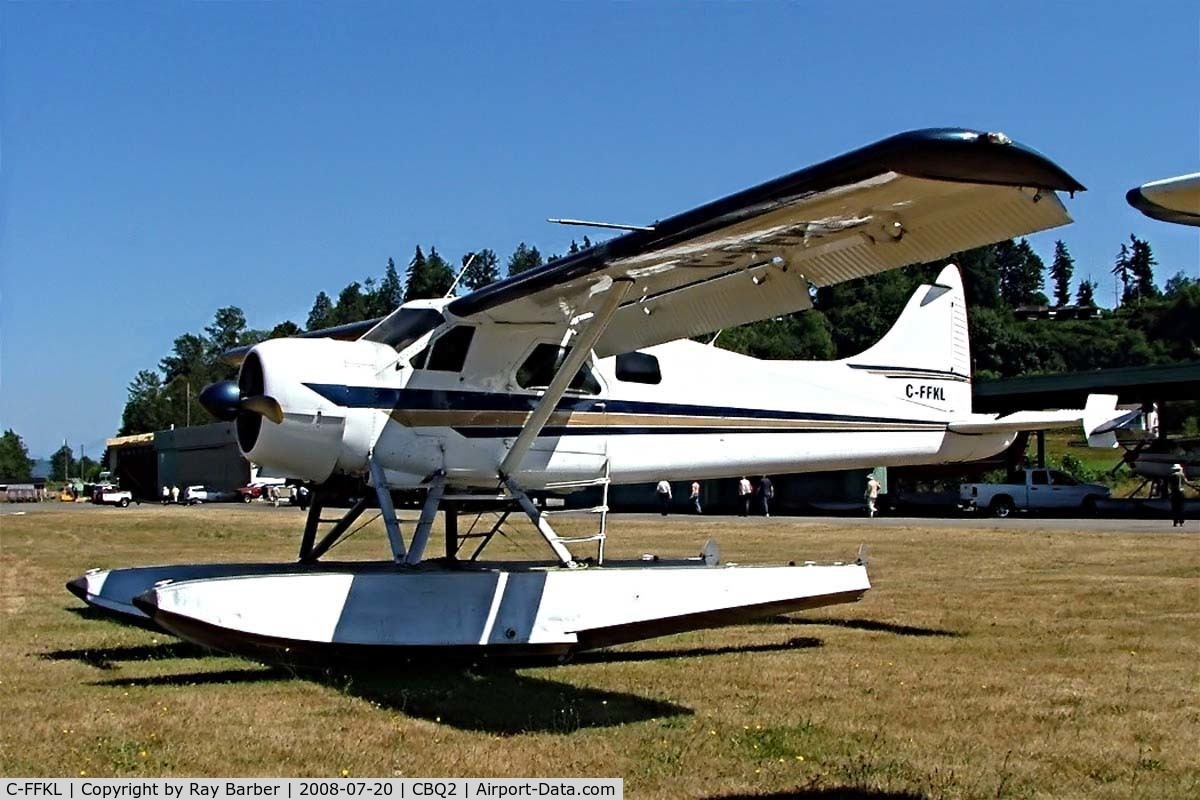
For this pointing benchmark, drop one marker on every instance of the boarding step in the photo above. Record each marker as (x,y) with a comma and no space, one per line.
(576,511)
(579,484)
(596,537)
(477,497)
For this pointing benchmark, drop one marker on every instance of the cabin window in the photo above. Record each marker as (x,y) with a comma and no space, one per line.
(1062,479)
(542,365)
(1039,478)
(638,368)
(449,352)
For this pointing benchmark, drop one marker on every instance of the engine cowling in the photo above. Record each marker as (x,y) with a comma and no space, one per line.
(315,436)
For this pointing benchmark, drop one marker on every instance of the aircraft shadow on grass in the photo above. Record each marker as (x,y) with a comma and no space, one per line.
(107,658)
(865,625)
(496,702)
(622,656)
(491,699)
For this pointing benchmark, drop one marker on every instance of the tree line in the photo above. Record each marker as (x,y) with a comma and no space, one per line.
(17,467)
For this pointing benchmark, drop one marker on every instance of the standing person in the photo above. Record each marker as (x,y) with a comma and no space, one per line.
(871,494)
(663,490)
(744,494)
(695,496)
(166,495)
(174,494)
(766,493)
(1175,484)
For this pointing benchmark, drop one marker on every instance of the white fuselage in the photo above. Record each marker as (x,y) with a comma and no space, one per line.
(713,414)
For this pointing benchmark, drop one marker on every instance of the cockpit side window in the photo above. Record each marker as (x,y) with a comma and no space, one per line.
(448,353)
(542,364)
(638,368)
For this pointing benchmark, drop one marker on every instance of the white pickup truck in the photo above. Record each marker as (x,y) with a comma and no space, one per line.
(1042,490)
(110,496)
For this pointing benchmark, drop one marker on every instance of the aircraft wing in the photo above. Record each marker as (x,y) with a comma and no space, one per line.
(911,198)
(1170,200)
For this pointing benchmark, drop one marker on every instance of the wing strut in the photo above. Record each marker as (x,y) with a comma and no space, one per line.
(581,348)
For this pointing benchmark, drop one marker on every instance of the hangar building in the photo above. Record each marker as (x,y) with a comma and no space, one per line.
(205,455)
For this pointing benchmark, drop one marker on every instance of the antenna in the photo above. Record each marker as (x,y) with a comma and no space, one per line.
(713,341)
(466,265)
(589,224)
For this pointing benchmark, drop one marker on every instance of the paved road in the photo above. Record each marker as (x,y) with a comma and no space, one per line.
(963,522)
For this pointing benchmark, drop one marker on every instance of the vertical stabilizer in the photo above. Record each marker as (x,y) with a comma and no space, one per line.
(928,347)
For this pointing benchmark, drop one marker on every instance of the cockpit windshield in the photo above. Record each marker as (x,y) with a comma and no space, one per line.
(405,326)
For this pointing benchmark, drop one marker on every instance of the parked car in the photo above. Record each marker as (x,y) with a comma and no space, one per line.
(112,496)
(194,495)
(1041,490)
(268,490)
(249,493)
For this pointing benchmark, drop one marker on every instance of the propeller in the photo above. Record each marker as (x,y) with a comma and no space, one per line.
(224,401)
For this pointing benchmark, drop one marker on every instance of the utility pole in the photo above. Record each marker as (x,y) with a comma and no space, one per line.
(188,416)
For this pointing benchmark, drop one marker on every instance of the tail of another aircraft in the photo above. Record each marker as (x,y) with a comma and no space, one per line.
(928,351)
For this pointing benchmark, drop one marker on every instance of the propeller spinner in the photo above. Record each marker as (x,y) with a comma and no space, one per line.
(224,400)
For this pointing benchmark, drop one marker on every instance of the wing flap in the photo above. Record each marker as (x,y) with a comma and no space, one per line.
(769,275)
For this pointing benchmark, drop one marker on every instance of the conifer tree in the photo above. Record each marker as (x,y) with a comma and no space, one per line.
(62,464)
(523,258)
(351,305)
(428,276)
(1123,273)
(1141,268)
(484,269)
(1061,270)
(284,329)
(390,292)
(319,316)
(1086,296)
(1021,270)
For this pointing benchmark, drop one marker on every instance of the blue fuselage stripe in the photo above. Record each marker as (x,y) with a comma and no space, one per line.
(448,400)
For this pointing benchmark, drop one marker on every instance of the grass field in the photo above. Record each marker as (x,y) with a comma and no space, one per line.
(987,662)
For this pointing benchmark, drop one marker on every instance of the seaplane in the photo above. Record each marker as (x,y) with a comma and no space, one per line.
(584,373)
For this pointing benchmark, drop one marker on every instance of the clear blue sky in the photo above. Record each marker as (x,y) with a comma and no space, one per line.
(160,160)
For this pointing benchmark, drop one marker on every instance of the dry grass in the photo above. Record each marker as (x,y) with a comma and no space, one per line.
(987,662)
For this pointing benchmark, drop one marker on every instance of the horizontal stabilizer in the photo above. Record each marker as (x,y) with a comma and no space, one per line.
(1099,419)
(1019,421)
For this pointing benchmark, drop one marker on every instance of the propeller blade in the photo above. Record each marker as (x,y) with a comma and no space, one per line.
(265,405)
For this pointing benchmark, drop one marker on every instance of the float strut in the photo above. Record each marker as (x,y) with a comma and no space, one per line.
(451,532)
(337,530)
(310,527)
(540,522)
(437,486)
(387,510)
